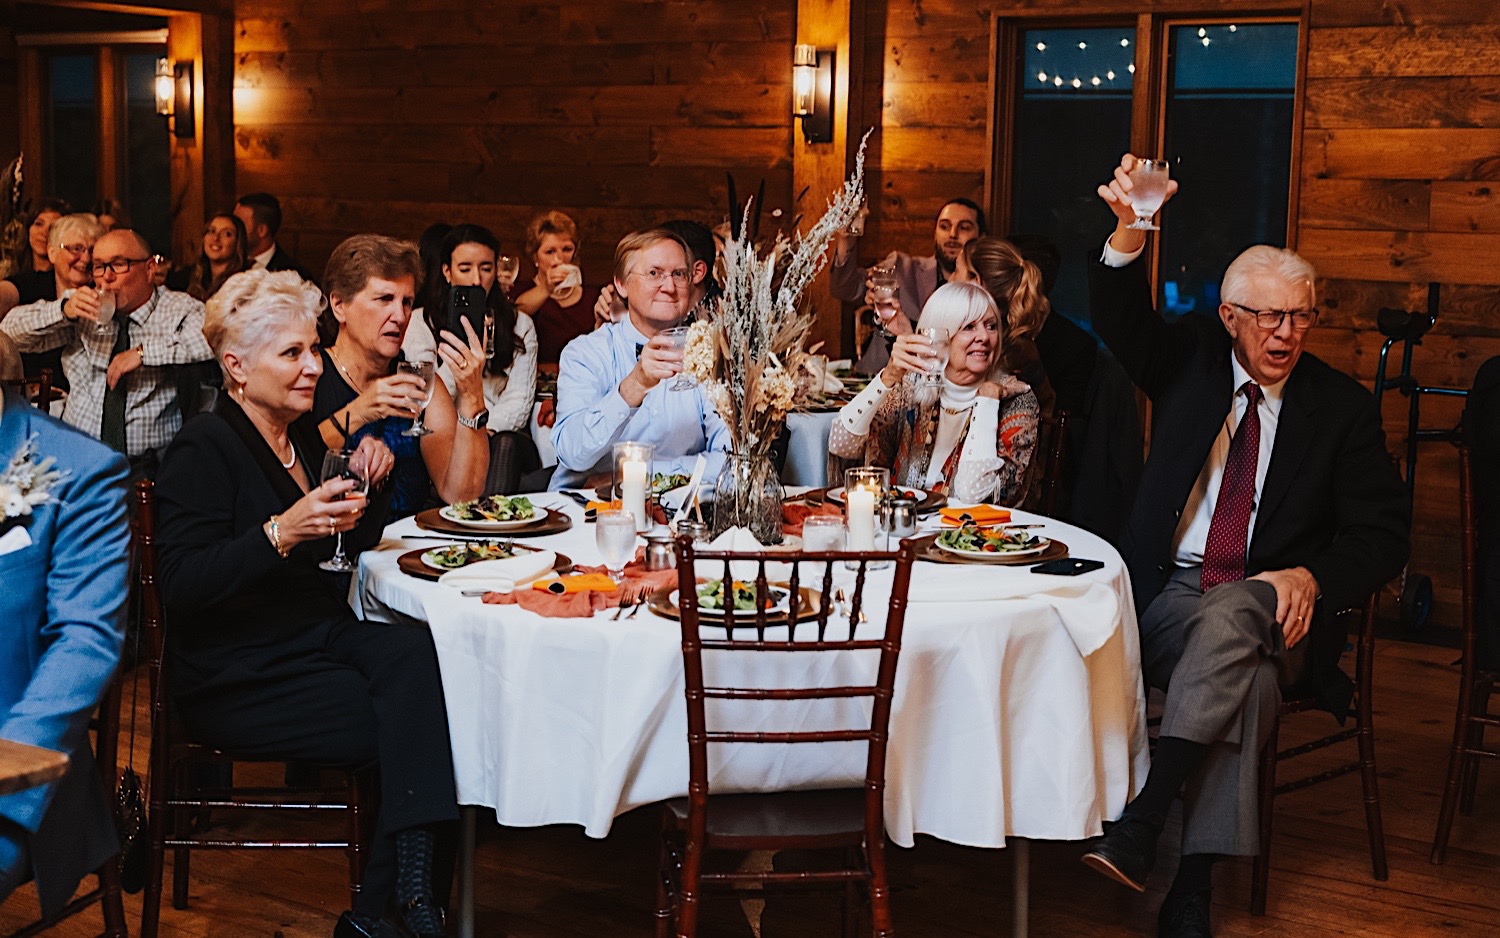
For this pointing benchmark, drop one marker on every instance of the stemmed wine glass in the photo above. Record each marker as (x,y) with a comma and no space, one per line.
(678,336)
(341,466)
(1148,180)
(614,535)
(885,287)
(507,267)
(423,370)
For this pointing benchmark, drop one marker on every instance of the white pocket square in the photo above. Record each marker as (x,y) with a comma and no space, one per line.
(13,540)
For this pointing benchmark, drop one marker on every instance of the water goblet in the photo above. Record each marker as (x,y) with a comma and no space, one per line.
(341,466)
(678,337)
(1148,191)
(614,535)
(106,312)
(938,339)
(424,371)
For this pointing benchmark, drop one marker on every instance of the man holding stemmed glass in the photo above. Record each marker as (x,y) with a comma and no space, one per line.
(121,362)
(902,283)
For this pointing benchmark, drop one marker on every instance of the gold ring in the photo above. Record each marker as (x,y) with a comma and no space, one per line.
(332,525)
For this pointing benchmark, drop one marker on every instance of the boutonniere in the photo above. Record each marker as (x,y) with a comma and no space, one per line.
(27,482)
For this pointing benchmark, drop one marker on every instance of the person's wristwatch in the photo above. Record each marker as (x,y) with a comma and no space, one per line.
(476,422)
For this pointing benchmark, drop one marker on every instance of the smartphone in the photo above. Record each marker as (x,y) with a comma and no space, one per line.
(467,303)
(1068,566)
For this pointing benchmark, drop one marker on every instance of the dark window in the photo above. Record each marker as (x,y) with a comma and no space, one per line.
(73,129)
(147,155)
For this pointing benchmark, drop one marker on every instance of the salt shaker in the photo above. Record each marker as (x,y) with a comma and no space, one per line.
(660,553)
(900,516)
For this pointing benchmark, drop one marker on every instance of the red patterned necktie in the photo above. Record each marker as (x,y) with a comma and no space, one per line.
(1229,532)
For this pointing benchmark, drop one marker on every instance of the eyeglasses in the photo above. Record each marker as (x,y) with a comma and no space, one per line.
(656,275)
(77,250)
(120,265)
(1270,319)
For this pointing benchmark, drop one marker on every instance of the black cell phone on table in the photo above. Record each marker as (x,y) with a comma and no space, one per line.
(469,303)
(1068,566)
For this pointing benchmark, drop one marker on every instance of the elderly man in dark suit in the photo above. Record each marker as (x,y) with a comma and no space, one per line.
(63,561)
(1268,504)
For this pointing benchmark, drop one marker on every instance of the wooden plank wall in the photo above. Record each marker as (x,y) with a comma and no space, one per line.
(387,115)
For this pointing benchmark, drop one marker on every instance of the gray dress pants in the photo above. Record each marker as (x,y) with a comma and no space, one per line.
(1222,661)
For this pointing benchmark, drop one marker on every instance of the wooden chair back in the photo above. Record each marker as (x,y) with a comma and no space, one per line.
(1052,443)
(756,633)
(1476,683)
(38,390)
(171,806)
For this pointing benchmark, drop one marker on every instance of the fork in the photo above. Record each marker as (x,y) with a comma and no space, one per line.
(636,608)
(843,603)
(620,610)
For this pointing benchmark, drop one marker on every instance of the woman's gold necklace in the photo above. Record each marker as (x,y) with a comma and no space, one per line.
(347,376)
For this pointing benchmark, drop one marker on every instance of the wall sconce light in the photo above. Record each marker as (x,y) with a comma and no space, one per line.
(165,88)
(812,92)
(182,101)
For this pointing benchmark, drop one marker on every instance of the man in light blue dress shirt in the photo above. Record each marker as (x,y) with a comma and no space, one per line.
(614,383)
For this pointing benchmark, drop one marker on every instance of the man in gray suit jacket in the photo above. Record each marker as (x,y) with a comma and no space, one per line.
(63,570)
(1268,505)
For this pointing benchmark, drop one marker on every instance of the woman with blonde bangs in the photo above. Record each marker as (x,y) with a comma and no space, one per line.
(975,437)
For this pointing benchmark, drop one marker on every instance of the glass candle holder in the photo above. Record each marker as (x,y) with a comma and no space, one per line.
(865,490)
(632,480)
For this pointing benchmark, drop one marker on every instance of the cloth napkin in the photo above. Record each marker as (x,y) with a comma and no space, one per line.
(794,513)
(583,601)
(1089,610)
(504,574)
(979,514)
(577,583)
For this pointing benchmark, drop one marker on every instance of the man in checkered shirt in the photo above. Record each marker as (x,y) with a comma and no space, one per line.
(124,372)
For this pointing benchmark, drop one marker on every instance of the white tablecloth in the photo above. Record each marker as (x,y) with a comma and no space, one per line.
(807,454)
(1000,726)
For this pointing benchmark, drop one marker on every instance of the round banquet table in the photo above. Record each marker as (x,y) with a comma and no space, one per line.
(1019,708)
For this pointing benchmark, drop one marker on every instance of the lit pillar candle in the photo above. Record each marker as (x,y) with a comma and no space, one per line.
(860,507)
(633,492)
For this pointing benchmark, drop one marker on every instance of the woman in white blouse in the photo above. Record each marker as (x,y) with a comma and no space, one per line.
(974,438)
(468,254)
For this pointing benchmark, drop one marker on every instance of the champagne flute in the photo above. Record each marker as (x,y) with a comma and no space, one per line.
(1148,191)
(106,312)
(507,268)
(614,535)
(423,370)
(884,285)
(678,335)
(340,466)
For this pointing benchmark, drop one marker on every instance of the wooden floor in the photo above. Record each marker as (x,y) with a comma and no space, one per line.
(557,882)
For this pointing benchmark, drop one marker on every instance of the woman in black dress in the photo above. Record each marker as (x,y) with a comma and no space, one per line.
(266,657)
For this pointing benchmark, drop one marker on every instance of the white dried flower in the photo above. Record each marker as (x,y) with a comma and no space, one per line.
(698,357)
(27,483)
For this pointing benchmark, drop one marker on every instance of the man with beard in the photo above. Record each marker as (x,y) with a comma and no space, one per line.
(959,221)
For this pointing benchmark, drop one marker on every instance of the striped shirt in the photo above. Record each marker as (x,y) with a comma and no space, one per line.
(168,327)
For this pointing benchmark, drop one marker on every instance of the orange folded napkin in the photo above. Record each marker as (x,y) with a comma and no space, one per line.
(577,583)
(602,506)
(982,515)
(583,601)
(794,513)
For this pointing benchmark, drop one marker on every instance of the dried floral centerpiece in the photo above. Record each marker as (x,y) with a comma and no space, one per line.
(748,349)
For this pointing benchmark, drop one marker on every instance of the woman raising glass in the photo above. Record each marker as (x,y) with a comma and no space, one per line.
(557,300)
(468,257)
(222,257)
(371,282)
(266,657)
(975,437)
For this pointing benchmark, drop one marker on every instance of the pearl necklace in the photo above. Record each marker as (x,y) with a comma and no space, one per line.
(293,461)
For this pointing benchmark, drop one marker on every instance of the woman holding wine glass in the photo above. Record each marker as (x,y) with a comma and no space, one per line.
(943,413)
(365,390)
(266,657)
(557,300)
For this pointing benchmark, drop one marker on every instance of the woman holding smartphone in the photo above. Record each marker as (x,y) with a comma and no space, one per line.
(468,257)
(557,301)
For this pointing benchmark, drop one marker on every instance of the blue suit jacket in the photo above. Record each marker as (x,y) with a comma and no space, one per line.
(62,623)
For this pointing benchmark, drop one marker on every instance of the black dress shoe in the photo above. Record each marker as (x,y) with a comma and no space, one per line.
(1128,851)
(354,925)
(1185,916)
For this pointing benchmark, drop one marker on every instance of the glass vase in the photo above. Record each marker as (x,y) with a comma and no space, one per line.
(748,495)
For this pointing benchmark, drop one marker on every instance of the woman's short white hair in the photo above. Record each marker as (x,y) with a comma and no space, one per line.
(77,225)
(249,309)
(1287,266)
(954,305)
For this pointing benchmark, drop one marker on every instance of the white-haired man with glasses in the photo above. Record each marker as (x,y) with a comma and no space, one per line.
(615,383)
(124,368)
(1267,506)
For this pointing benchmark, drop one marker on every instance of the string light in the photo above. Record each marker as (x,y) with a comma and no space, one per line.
(1124,43)
(1205,42)
(1057,81)
(1083,45)
(1041,77)
(1094,81)
(1110,74)
(1131,66)
(1077,83)
(1233,28)
(1202,32)
(1041,47)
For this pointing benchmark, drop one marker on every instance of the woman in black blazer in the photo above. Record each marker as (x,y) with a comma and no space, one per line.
(266,657)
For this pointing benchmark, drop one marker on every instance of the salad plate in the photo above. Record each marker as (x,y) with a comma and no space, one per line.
(929,550)
(545,521)
(711,598)
(663,602)
(493,513)
(422,562)
(971,540)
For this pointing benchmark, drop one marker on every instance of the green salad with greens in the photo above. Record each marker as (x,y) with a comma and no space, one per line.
(461,555)
(495,508)
(711,596)
(973,539)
